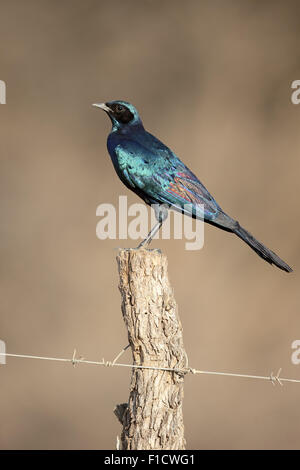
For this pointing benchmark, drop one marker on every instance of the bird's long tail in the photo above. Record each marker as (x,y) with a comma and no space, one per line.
(261,249)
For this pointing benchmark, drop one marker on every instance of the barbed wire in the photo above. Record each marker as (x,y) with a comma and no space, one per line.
(274,379)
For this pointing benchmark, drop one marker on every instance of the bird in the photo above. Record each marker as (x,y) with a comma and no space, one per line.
(154,173)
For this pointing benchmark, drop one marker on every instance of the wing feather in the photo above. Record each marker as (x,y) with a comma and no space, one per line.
(164,179)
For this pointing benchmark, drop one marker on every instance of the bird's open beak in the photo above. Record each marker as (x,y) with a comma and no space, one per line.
(102,106)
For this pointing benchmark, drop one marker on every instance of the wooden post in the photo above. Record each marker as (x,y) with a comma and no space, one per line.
(152,418)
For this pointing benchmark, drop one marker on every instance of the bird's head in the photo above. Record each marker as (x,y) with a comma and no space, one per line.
(121,113)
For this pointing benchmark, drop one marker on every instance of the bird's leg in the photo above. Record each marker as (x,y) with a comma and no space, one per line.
(161,214)
(150,235)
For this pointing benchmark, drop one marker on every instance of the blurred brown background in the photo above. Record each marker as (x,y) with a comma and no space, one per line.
(212,79)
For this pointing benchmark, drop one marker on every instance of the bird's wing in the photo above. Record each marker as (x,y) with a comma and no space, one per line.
(185,192)
(161,177)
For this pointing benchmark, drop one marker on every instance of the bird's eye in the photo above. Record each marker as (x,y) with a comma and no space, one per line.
(121,113)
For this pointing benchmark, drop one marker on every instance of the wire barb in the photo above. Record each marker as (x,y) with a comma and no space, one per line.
(276,379)
(74,360)
(120,354)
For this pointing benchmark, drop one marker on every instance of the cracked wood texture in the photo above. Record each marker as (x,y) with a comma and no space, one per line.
(152,418)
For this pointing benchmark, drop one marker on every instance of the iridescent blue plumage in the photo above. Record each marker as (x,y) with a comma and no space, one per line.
(150,169)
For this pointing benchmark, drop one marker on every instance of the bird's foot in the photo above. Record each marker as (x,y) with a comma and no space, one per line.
(144,243)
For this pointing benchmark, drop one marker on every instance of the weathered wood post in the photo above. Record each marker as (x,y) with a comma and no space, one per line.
(152,418)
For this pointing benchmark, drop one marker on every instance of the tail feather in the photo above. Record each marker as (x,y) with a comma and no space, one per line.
(261,249)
